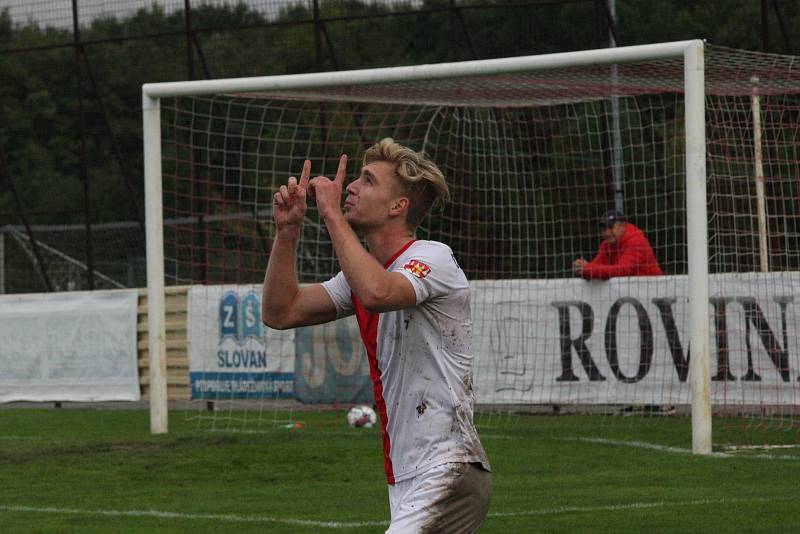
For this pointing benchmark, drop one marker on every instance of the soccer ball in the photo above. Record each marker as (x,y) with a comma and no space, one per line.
(361,416)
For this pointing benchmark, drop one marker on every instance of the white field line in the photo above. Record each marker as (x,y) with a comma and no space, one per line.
(234,518)
(641,506)
(735,448)
(231,518)
(642,445)
(678,450)
(353,433)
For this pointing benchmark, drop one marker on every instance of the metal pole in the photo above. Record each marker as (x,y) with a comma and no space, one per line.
(82,134)
(787,45)
(454,47)
(187,12)
(5,171)
(115,146)
(200,255)
(2,263)
(616,135)
(759,176)
(317,37)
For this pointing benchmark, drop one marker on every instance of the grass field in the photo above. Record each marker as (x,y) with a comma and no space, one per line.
(73,470)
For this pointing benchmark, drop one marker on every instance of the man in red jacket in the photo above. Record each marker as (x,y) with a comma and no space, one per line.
(624,251)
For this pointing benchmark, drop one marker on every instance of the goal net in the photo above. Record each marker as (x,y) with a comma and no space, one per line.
(534,157)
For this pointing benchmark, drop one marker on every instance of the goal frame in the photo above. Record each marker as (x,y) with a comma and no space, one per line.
(692,52)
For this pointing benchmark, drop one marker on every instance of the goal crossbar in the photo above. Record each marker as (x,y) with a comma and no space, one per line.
(692,53)
(421,72)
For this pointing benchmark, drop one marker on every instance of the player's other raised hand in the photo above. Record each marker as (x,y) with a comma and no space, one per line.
(327,192)
(289,205)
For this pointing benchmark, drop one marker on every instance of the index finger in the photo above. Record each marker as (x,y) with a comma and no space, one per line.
(342,170)
(305,174)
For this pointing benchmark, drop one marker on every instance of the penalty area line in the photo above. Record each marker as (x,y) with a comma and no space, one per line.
(678,450)
(639,506)
(642,445)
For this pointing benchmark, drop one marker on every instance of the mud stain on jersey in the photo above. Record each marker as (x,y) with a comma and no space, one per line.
(454,421)
(467,380)
(462,422)
(421,407)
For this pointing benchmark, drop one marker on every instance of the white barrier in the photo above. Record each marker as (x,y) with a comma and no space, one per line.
(564,341)
(626,340)
(78,346)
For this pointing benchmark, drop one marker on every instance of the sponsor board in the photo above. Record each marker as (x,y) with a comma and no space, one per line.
(232,354)
(626,340)
(332,364)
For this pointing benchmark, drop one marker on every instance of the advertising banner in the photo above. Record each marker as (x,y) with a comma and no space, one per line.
(232,355)
(332,364)
(626,340)
(77,346)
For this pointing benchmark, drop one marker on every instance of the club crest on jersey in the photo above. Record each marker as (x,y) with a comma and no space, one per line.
(417,268)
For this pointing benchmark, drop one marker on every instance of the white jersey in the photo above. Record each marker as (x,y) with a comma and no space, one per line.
(420,363)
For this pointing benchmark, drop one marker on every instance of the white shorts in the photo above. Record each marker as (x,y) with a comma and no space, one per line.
(452,498)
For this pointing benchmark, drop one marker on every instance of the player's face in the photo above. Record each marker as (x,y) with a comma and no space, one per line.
(371,196)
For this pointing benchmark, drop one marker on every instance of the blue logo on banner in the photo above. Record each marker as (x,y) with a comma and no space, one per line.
(251,317)
(240,320)
(229,316)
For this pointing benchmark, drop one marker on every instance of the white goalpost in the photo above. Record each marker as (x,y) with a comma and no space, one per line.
(690,51)
(527,145)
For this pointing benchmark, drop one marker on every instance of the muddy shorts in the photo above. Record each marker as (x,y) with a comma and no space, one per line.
(449,498)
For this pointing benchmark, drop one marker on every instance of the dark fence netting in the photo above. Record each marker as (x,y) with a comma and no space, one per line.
(71,180)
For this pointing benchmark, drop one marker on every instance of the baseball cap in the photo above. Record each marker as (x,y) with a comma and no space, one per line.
(610,217)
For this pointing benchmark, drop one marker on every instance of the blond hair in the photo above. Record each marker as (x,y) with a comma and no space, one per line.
(420,179)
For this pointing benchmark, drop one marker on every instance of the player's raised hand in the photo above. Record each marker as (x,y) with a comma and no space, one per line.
(327,192)
(289,204)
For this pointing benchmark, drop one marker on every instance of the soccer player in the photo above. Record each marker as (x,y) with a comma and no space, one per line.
(411,300)
(625,251)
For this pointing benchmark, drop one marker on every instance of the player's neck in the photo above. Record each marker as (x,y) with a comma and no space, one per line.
(384,243)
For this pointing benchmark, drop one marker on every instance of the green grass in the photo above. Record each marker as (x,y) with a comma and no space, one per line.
(83,471)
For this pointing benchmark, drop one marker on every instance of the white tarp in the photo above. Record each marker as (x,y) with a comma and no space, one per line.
(626,340)
(231,353)
(77,346)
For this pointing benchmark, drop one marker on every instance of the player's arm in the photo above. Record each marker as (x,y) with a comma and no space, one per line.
(377,289)
(284,304)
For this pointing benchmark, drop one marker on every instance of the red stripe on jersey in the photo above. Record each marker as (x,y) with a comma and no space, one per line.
(397,254)
(368,325)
